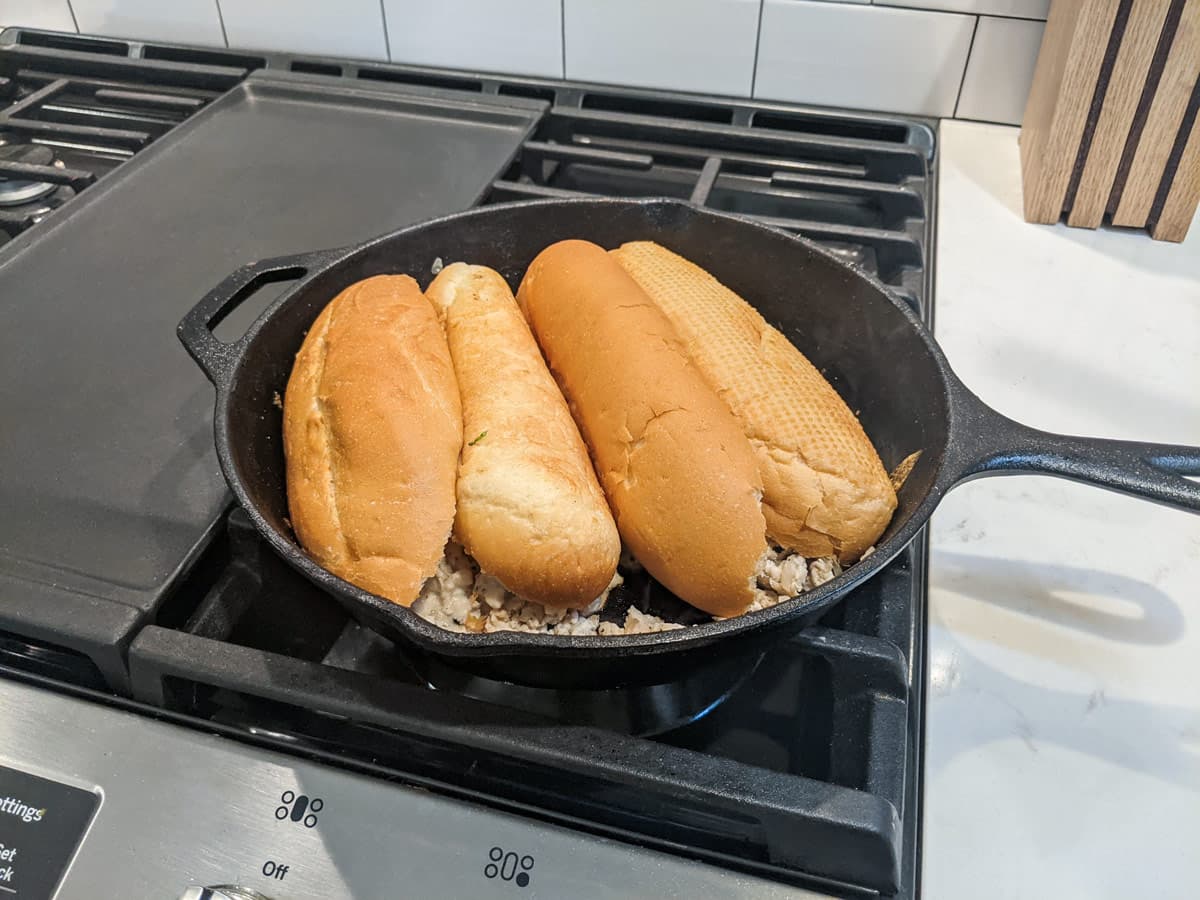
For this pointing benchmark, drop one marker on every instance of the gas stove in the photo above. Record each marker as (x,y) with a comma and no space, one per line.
(190,717)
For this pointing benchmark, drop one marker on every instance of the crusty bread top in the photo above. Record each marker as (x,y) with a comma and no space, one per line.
(529,508)
(678,472)
(826,492)
(372,429)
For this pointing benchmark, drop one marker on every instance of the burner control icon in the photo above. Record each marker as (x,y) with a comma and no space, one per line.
(299,808)
(508,866)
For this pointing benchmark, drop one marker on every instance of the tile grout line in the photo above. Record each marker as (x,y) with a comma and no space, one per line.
(874,4)
(950,12)
(757,43)
(221,21)
(981,121)
(387,41)
(1008,18)
(966,66)
(883,4)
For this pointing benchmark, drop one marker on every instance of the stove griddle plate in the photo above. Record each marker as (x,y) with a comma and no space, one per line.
(109,484)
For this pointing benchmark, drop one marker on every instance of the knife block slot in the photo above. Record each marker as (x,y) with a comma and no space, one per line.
(1110,133)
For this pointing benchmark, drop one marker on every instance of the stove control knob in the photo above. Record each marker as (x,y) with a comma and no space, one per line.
(222,892)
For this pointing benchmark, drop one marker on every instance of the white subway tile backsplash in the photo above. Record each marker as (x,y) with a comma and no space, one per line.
(181,21)
(834,54)
(705,46)
(344,28)
(1028,9)
(523,36)
(54,15)
(904,56)
(1000,70)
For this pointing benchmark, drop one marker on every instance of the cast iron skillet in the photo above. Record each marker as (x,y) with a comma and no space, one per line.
(871,347)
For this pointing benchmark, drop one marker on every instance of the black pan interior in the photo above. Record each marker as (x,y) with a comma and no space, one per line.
(869,346)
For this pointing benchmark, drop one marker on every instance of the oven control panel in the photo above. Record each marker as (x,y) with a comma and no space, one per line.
(133,807)
(42,822)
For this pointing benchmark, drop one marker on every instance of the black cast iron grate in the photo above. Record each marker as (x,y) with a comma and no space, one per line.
(93,106)
(858,183)
(865,198)
(810,771)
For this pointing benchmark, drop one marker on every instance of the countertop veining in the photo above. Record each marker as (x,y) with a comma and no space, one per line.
(1063,724)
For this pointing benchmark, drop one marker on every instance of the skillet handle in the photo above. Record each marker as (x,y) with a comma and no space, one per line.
(993,444)
(212,354)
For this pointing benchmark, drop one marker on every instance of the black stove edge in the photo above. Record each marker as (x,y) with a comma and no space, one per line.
(65,617)
(914,784)
(911,869)
(92,633)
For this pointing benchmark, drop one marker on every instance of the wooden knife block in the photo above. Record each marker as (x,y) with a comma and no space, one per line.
(1111,132)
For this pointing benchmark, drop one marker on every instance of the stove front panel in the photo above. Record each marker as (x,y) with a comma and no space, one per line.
(176,809)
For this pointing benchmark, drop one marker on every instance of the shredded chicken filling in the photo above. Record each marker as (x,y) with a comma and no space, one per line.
(459,597)
(782,575)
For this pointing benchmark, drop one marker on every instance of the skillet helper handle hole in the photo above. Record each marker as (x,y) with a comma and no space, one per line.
(997,445)
(196,331)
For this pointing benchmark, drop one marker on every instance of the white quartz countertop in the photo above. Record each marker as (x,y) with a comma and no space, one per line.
(1063,718)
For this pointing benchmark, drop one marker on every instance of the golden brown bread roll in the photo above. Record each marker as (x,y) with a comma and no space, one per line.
(372,429)
(678,472)
(529,509)
(825,490)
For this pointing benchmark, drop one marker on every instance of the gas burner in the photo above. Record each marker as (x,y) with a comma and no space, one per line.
(18,191)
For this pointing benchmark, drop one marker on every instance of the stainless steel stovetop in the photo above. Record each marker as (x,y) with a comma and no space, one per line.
(182,715)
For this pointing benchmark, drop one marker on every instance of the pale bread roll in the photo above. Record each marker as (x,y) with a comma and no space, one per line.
(678,472)
(372,429)
(530,511)
(826,492)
